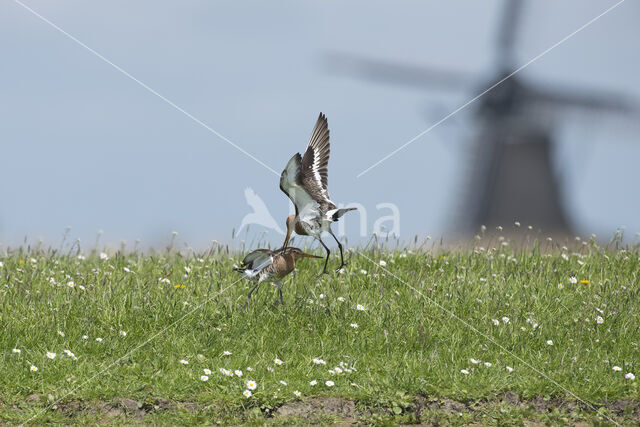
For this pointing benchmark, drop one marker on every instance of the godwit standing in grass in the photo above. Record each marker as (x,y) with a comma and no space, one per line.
(305,181)
(264,265)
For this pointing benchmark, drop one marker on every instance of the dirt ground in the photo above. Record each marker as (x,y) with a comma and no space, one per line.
(504,409)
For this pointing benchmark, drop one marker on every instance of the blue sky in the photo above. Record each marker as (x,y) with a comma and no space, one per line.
(85,146)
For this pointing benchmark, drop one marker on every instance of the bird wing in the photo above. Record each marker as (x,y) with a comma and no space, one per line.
(314,167)
(258,259)
(307,208)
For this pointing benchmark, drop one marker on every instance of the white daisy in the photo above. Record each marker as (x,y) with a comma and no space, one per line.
(277,361)
(474,361)
(104,256)
(496,322)
(573,280)
(247,393)
(297,393)
(488,364)
(16,351)
(61,333)
(184,362)
(283,382)
(238,372)
(354,325)
(464,371)
(226,353)
(341,299)
(331,383)
(599,320)
(505,319)
(99,339)
(249,368)
(383,263)
(123,334)
(33,368)
(360,307)
(630,376)
(509,369)
(549,342)
(51,355)
(204,378)
(617,368)
(251,385)
(313,382)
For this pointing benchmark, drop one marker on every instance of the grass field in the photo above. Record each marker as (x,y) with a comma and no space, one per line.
(497,336)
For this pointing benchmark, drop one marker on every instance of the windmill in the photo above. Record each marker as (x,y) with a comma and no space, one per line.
(512,177)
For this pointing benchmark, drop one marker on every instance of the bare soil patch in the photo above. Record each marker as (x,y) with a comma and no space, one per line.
(345,411)
(343,408)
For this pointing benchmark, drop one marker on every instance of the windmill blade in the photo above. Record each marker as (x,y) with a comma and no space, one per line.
(506,37)
(394,73)
(575,98)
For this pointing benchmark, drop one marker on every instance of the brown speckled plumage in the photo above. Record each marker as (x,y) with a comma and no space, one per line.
(264,265)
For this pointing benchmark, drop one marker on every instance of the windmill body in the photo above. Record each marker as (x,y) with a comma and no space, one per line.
(512,174)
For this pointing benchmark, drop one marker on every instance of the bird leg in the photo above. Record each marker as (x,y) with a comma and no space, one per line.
(326,261)
(279,284)
(250,292)
(342,263)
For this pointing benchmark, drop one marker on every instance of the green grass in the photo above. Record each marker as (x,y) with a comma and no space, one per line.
(426,315)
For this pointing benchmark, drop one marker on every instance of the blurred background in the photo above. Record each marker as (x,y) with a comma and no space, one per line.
(85,146)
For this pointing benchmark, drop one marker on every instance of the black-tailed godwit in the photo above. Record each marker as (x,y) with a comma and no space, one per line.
(264,265)
(305,181)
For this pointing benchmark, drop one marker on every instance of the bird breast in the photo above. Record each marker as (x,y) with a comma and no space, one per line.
(283,265)
(300,229)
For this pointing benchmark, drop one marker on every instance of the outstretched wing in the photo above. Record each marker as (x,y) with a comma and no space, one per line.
(258,259)
(307,208)
(290,178)
(314,172)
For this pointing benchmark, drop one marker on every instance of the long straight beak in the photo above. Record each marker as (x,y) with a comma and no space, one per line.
(303,255)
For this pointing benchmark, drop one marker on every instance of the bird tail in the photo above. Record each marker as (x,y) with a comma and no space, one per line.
(337,213)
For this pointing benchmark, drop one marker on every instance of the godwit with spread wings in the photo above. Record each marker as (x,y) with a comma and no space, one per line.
(305,181)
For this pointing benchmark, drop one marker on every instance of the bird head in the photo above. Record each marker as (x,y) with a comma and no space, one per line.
(297,254)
